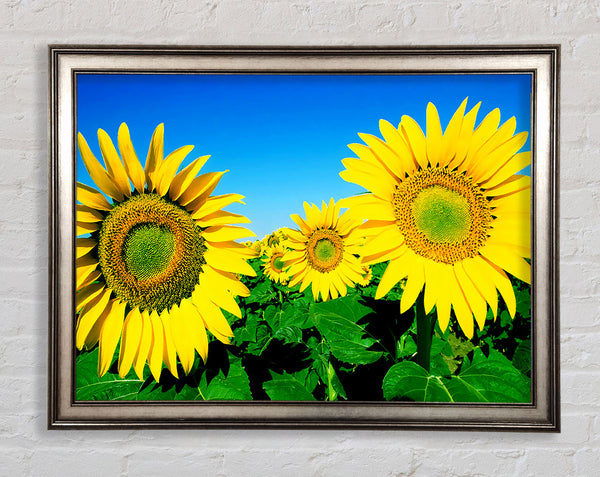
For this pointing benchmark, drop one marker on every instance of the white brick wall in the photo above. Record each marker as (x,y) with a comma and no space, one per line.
(28,26)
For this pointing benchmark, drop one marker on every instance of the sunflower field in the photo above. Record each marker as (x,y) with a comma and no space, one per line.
(417,289)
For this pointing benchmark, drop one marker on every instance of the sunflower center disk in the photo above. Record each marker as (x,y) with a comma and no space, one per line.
(151,252)
(442,215)
(325,250)
(149,249)
(277,263)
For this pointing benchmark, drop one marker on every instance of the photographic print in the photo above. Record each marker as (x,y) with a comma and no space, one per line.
(268,237)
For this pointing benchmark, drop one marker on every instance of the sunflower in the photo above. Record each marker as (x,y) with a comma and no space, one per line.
(367,276)
(448,210)
(323,252)
(158,262)
(274,266)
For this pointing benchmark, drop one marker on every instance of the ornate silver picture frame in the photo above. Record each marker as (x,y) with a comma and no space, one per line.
(68,64)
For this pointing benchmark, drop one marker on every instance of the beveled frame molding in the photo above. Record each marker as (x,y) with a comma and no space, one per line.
(541,61)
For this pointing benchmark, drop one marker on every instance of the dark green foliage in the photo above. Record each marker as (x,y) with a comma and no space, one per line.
(287,347)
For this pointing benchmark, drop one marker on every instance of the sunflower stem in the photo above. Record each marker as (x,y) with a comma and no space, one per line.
(425,327)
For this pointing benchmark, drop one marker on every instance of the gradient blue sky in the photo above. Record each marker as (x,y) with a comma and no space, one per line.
(281,136)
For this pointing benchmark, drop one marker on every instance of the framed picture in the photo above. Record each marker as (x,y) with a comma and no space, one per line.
(304,237)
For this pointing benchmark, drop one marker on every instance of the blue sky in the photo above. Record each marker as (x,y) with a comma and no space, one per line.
(282,137)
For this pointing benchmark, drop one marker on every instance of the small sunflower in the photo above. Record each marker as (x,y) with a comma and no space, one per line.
(323,251)
(158,262)
(448,210)
(274,266)
(367,276)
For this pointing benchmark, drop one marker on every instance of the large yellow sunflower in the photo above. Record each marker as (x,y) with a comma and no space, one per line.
(274,266)
(323,251)
(447,209)
(158,262)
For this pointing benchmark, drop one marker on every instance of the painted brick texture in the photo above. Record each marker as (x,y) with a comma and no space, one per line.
(28,449)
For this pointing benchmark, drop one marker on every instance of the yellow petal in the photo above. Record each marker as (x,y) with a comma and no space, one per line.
(165,174)
(519,202)
(144,347)
(414,285)
(216,203)
(477,270)
(88,316)
(83,246)
(87,294)
(92,198)
(228,262)
(474,299)
(395,271)
(480,159)
(223,233)
(505,231)
(406,161)
(230,282)
(212,316)
(502,283)
(508,260)
(83,228)
(386,156)
(92,277)
(221,217)
(484,131)
(182,180)
(514,165)
(190,314)
(155,357)
(98,174)
(432,285)
(461,308)
(155,156)
(130,340)
(84,267)
(415,138)
(114,166)
(110,334)
(513,184)
(464,137)
(380,185)
(368,206)
(219,295)
(435,146)
(87,214)
(169,351)
(182,338)
(452,134)
(443,299)
(389,239)
(199,189)
(132,164)
(500,156)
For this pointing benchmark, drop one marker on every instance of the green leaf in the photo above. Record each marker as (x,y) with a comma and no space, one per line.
(491,380)
(337,321)
(233,385)
(487,379)
(287,387)
(289,334)
(522,357)
(110,387)
(409,380)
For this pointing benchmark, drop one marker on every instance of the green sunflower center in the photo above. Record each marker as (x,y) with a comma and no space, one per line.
(148,249)
(441,214)
(325,250)
(151,252)
(278,263)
